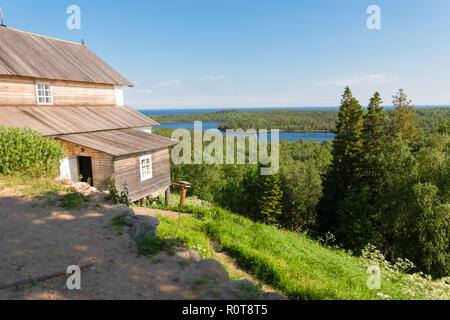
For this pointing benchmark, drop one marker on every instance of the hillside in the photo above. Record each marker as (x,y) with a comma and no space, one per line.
(298,266)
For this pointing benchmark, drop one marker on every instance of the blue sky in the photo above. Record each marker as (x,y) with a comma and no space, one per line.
(227,53)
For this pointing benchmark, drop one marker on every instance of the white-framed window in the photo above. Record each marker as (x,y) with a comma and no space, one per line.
(146,167)
(44,93)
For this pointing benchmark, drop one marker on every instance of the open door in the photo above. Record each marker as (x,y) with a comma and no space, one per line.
(69,169)
(85,166)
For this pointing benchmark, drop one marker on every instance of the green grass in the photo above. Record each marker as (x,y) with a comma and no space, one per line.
(151,245)
(28,186)
(192,234)
(74,200)
(298,266)
(117,224)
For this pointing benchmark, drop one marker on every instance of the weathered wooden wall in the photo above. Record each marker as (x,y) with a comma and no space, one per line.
(102,163)
(127,171)
(22,91)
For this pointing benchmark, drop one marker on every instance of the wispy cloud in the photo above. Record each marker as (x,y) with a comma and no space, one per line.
(170,84)
(214,78)
(360,80)
(144,91)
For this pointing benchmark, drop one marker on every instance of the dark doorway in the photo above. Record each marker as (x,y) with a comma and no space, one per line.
(85,165)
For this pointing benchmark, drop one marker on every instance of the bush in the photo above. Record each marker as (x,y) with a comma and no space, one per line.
(114,195)
(26,151)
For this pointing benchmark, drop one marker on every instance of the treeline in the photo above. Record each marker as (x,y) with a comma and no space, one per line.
(294,120)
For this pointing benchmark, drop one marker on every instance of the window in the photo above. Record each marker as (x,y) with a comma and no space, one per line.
(44,93)
(146,168)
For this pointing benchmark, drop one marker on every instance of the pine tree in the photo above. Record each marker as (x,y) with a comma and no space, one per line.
(404,120)
(345,172)
(270,199)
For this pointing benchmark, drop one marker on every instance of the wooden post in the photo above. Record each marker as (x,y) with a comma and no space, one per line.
(143,202)
(183,196)
(167,197)
(184,185)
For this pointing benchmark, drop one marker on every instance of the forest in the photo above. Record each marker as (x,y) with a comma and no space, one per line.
(293,120)
(383,181)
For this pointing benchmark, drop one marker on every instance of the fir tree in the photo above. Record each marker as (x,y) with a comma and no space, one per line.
(270,199)
(345,170)
(373,134)
(404,120)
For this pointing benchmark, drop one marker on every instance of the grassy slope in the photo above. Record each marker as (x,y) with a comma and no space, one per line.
(291,262)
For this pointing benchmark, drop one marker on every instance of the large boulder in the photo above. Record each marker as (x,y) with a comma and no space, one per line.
(140,226)
(187,254)
(214,269)
(139,231)
(132,220)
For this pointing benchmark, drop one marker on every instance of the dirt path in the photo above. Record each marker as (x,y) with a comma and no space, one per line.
(222,256)
(37,239)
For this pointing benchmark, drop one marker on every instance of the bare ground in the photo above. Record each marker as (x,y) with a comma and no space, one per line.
(37,239)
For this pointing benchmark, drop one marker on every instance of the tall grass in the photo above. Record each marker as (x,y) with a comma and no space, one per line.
(298,266)
(26,151)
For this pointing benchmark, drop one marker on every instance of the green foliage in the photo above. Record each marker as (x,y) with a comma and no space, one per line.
(269,200)
(444,128)
(74,200)
(239,188)
(114,195)
(404,120)
(345,172)
(26,151)
(302,189)
(293,120)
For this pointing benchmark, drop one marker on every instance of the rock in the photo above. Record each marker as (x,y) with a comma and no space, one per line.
(99,197)
(148,221)
(273,296)
(214,268)
(188,254)
(84,188)
(130,220)
(139,231)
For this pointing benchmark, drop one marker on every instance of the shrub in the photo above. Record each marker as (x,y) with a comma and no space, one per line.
(26,151)
(114,195)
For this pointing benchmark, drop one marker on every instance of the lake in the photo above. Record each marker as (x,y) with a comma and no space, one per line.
(284,136)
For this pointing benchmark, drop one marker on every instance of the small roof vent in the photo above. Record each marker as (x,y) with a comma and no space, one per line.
(1,18)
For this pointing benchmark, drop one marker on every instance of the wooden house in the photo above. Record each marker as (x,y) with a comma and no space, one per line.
(66,92)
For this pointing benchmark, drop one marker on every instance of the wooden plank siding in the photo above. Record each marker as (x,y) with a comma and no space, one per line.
(102,164)
(22,91)
(127,172)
